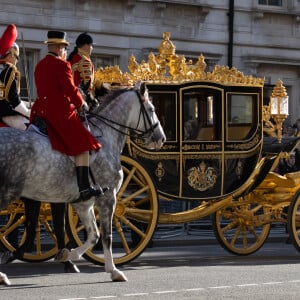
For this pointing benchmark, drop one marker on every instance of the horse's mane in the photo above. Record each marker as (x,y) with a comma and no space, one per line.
(107,98)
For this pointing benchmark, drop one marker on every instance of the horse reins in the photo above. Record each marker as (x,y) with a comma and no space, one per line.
(111,123)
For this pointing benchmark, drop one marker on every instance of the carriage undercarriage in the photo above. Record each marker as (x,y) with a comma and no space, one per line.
(241,225)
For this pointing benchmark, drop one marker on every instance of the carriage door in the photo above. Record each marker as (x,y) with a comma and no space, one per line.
(201,142)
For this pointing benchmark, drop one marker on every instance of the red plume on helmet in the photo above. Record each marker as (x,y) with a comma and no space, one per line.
(8,38)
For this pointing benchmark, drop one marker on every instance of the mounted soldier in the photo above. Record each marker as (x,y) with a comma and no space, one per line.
(83,68)
(13,111)
(57,104)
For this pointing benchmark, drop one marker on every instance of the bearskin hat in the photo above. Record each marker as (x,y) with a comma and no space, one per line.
(8,39)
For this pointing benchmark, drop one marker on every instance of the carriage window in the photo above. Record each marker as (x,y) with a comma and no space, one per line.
(241,116)
(165,107)
(201,114)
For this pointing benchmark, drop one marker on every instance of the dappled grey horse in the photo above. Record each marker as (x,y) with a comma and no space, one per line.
(30,168)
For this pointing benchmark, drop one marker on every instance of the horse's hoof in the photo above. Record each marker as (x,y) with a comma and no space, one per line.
(62,255)
(7,257)
(73,255)
(4,280)
(118,276)
(70,267)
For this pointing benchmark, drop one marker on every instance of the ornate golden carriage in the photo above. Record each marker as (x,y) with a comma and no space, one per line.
(216,157)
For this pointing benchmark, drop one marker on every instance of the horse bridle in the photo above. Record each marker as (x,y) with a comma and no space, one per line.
(143,114)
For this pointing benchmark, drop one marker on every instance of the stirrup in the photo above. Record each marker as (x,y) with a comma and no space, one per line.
(87,194)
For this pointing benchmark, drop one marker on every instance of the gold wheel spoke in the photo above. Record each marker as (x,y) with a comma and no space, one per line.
(135,194)
(14,226)
(228,227)
(80,228)
(254,233)
(235,236)
(126,181)
(245,238)
(256,209)
(121,235)
(38,239)
(126,222)
(49,230)
(141,215)
(143,201)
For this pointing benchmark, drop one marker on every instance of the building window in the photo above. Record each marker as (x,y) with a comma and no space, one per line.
(26,68)
(270,2)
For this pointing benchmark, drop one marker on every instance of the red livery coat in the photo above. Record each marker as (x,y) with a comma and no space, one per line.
(57,101)
(82,68)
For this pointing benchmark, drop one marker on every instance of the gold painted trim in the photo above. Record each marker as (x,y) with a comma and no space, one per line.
(167,67)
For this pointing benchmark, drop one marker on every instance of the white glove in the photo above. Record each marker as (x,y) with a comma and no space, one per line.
(22,109)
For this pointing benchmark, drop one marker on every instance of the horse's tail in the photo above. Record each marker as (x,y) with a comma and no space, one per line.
(9,191)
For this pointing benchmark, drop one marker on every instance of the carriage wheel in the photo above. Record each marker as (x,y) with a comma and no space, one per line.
(241,227)
(12,232)
(294,220)
(134,220)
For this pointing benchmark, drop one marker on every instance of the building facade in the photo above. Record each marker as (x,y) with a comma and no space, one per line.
(258,37)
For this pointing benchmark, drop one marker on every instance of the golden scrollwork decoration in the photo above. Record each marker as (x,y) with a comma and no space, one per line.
(168,67)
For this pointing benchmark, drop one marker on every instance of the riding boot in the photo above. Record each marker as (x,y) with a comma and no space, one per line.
(86,191)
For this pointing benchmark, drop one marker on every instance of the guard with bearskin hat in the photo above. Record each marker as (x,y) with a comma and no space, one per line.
(13,111)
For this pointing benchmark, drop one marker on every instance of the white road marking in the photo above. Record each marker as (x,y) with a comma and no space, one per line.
(247,284)
(164,292)
(278,282)
(187,290)
(134,295)
(220,287)
(104,297)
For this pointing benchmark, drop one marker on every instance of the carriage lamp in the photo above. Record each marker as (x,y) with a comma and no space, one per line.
(279,102)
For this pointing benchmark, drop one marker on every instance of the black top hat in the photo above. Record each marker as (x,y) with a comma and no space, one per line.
(56,37)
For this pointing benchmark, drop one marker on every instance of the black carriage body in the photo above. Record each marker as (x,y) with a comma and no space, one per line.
(214,139)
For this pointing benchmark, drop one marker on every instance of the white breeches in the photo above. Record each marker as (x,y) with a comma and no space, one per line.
(16,121)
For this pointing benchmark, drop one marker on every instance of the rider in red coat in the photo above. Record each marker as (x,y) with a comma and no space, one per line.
(82,66)
(57,103)
(80,59)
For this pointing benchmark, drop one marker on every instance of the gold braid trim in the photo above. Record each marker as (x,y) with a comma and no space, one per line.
(85,67)
(13,74)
